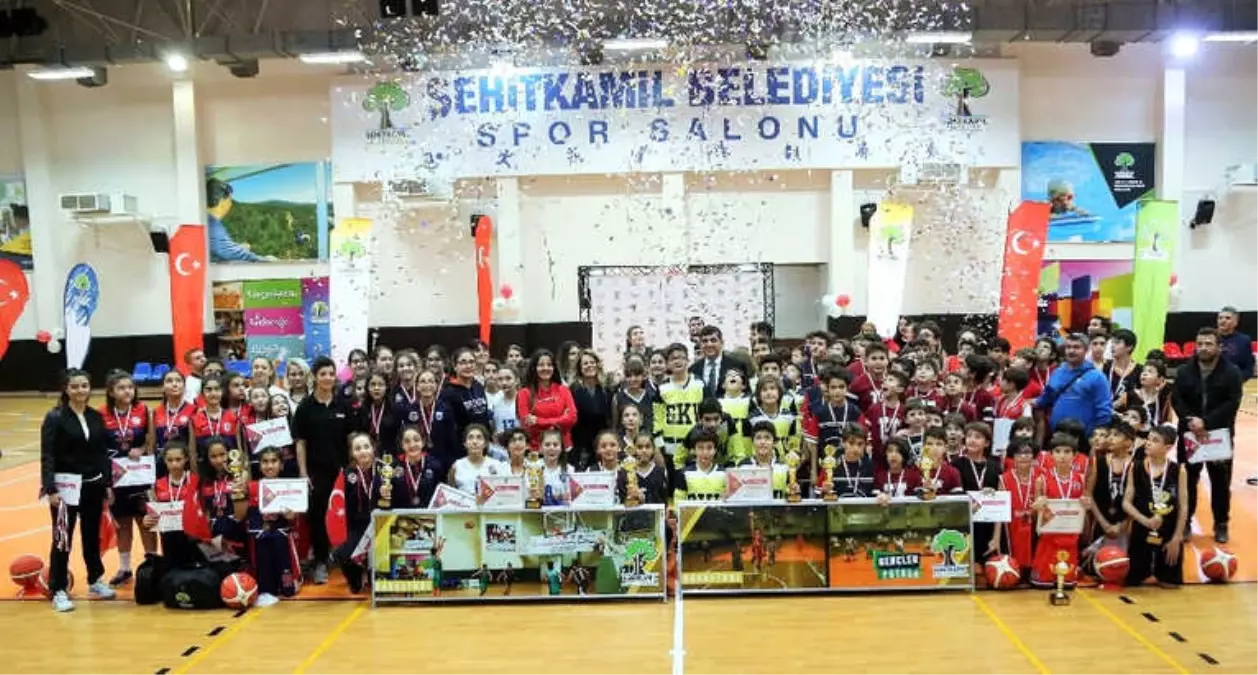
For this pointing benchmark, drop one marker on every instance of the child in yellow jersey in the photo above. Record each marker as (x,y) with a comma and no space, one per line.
(764,440)
(736,408)
(710,419)
(676,408)
(767,407)
(703,480)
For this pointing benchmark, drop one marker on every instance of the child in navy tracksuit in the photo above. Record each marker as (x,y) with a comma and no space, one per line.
(364,492)
(274,554)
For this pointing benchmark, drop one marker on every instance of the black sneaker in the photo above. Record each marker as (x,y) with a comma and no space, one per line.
(1220,534)
(121,578)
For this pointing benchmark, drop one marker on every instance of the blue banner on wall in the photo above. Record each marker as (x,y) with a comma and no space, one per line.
(82,294)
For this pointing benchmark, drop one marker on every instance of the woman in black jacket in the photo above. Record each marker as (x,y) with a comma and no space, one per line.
(593,401)
(73,456)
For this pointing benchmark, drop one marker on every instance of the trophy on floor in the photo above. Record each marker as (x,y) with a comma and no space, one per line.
(630,466)
(386,482)
(1161,507)
(792,476)
(236,467)
(829,464)
(926,464)
(533,468)
(1060,569)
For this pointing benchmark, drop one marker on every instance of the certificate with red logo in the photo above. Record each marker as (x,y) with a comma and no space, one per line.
(131,472)
(277,495)
(749,484)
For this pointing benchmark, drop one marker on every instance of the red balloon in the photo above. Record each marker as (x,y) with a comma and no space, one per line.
(843,300)
(1174,279)
(43,336)
(506,291)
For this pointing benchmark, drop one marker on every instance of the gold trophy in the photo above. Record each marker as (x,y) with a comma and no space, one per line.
(533,476)
(630,466)
(236,467)
(829,464)
(792,471)
(386,482)
(926,464)
(1161,507)
(1060,569)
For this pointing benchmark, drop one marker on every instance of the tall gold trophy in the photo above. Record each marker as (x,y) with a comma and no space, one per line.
(386,482)
(630,465)
(533,478)
(829,464)
(1161,507)
(792,471)
(236,467)
(1060,569)
(926,464)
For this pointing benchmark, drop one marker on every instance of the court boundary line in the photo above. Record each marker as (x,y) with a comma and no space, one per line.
(331,638)
(1135,634)
(679,632)
(222,638)
(1010,635)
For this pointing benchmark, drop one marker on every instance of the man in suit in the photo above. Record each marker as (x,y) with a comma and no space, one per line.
(714,362)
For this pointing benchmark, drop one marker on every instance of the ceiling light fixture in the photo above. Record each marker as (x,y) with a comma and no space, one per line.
(333,58)
(634,44)
(177,63)
(60,73)
(939,37)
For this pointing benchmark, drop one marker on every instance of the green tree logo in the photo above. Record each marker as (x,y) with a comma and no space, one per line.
(639,553)
(385,98)
(951,545)
(964,84)
(1124,160)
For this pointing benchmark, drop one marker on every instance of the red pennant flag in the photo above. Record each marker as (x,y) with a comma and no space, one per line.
(187,289)
(483,231)
(1020,279)
(13,296)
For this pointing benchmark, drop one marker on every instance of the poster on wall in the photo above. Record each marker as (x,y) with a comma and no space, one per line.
(1073,291)
(229,319)
(888,265)
(349,286)
(15,222)
(276,318)
(1093,188)
(569,120)
(268,212)
(316,316)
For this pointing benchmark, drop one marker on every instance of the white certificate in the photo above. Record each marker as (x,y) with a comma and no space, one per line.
(130,472)
(269,434)
(501,492)
(749,484)
(68,487)
(1217,446)
(592,488)
(446,497)
(1002,427)
(1062,516)
(169,515)
(992,507)
(277,495)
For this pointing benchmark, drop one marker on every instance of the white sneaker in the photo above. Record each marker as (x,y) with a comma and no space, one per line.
(101,591)
(61,602)
(266,600)
(320,574)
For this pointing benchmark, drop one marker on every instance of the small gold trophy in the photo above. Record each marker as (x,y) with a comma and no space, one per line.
(533,476)
(630,465)
(386,482)
(1161,507)
(829,464)
(926,464)
(236,467)
(792,471)
(1060,569)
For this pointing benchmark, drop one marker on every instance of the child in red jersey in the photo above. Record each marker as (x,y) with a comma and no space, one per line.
(129,439)
(225,500)
(887,415)
(867,385)
(898,479)
(214,420)
(1061,481)
(941,476)
(172,419)
(953,399)
(925,384)
(183,486)
(1019,482)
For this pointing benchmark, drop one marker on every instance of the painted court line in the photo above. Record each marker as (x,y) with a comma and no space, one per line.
(330,639)
(1011,636)
(25,533)
(200,654)
(1126,628)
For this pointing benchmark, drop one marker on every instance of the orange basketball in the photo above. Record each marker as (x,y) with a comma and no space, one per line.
(1218,564)
(1112,564)
(42,584)
(1002,572)
(25,569)
(238,590)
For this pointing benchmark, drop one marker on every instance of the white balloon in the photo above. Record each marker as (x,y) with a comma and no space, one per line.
(54,347)
(829,300)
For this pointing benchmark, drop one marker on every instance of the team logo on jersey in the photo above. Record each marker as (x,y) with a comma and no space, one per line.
(135,420)
(352,478)
(414,416)
(953,549)
(182,420)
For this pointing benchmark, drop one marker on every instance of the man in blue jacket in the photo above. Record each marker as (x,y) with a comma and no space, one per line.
(1234,346)
(1077,390)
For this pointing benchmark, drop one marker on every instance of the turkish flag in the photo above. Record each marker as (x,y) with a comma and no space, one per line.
(483,231)
(13,296)
(187,289)
(1020,279)
(335,520)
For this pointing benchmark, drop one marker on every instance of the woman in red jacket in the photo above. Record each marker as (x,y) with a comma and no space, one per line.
(545,401)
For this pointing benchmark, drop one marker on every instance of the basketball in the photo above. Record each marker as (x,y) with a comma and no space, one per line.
(1218,564)
(25,570)
(238,590)
(1112,564)
(42,584)
(1002,572)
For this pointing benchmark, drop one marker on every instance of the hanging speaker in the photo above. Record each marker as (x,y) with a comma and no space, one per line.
(867,213)
(1204,214)
(160,242)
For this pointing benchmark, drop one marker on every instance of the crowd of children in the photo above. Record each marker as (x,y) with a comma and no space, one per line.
(863,417)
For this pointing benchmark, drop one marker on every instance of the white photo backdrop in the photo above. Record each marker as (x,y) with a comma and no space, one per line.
(662,299)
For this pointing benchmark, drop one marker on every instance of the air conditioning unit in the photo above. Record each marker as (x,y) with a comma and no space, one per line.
(935,172)
(98,204)
(1242,175)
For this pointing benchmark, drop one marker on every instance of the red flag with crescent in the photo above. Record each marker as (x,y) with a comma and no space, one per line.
(335,520)
(1020,278)
(187,289)
(14,292)
(483,230)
